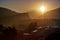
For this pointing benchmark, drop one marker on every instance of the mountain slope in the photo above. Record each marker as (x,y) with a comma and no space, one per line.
(53,14)
(22,20)
(8,17)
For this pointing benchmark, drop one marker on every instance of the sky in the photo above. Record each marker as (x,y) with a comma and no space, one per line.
(28,5)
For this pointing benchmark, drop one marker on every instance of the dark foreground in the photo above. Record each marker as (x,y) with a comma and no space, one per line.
(40,33)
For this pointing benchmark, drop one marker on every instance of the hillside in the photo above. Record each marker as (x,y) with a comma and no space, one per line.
(11,18)
(22,20)
(53,14)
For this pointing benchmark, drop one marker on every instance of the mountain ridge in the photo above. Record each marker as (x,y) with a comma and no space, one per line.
(9,17)
(53,14)
(22,20)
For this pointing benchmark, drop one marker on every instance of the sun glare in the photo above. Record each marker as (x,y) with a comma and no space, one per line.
(42,9)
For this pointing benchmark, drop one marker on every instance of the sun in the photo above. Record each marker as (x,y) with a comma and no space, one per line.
(42,9)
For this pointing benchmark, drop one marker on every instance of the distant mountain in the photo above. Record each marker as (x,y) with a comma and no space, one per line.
(8,17)
(22,20)
(53,14)
(6,12)
(34,14)
(49,18)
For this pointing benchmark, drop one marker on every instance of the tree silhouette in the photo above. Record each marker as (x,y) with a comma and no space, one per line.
(1,27)
(8,33)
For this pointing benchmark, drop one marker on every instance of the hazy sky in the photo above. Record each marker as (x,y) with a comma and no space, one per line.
(28,5)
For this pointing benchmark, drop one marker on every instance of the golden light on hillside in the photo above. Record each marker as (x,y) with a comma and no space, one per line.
(43,9)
